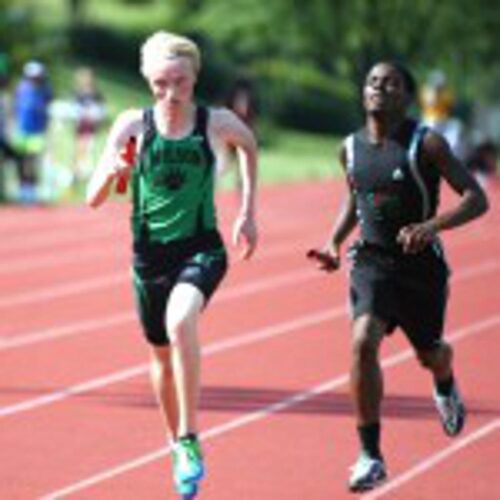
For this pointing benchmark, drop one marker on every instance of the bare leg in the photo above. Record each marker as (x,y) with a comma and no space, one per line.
(447,398)
(438,361)
(163,385)
(367,390)
(183,312)
(366,374)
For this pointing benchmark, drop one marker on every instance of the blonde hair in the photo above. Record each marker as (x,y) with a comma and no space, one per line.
(85,79)
(162,45)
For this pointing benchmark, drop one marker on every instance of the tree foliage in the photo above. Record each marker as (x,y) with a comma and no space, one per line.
(300,52)
(21,38)
(16,32)
(340,38)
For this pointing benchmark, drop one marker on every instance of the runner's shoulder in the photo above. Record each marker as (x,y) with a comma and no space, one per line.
(129,122)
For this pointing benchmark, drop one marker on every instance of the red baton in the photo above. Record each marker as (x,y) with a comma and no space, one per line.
(128,156)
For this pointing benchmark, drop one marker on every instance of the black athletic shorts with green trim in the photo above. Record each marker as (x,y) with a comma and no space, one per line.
(406,291)
(157,268)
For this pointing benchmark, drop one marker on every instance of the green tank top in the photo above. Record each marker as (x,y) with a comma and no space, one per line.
(173,184)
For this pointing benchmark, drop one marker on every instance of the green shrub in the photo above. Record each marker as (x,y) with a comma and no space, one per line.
(105,46)
(314,111)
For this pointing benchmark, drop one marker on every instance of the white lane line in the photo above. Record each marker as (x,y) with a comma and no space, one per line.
(111,280)
(109,251)
(435,459)
(68,330)
(105,281)
(275,281)
(208,350)
(10,341)
(49,258)
(74,390)
(259,414)
(49,240)
(25,265)
(64,290)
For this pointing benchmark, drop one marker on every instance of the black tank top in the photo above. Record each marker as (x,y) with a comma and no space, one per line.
(390,187)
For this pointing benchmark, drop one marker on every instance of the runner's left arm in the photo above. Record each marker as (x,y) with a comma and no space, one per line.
(227,128)
(473,202)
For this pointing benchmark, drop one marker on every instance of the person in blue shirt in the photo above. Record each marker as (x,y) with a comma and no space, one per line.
(31,102)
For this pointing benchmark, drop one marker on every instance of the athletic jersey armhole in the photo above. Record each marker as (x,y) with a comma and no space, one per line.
(201,120)
(201,128)
(149,131)
(149,124)
(349,153)
(413,162)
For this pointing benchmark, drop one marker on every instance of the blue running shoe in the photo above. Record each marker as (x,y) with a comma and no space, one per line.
(188,466)
(366,473)
(187,491)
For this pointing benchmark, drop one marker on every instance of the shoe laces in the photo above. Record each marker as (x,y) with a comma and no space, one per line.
(363,463)
(448,405)
(188,449)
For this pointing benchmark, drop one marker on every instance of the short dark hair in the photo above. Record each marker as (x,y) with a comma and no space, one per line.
(407,75)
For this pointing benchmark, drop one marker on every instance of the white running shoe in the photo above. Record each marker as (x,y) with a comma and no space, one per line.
(366,473)
(451,411)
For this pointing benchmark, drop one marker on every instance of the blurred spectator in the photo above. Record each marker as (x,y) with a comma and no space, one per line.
(4,146)
(31,100)
(482,161)
(241,100)
(7,152)
(437,103)
(90,114)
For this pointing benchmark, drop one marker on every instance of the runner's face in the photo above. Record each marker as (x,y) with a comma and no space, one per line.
(172,82)
(384,90)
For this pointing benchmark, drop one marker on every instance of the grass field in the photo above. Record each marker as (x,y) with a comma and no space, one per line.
(294,157)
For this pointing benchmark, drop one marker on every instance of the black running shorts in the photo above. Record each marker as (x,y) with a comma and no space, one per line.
(157,268)
(409,291)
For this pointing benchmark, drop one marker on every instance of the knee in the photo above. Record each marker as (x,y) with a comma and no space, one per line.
(180,329)
(436,358)
(366,343)
(161,366)
(425,360)
(364,350)
(183,310)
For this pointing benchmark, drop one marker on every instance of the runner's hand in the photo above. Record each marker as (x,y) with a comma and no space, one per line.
(326,259)
(244,228)
(415,237)
(125,164)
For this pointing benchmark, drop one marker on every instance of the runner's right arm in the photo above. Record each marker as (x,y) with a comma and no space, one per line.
(111,164)
(328,258)
(346,219)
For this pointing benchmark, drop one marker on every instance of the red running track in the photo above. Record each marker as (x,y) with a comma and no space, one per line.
(77,416)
